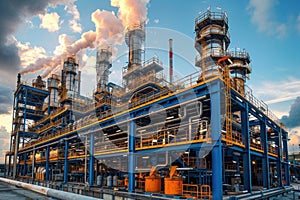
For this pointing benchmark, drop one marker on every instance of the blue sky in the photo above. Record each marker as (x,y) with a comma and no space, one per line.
(269,30)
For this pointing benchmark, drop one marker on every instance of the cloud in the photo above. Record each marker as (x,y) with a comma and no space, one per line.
(5,100)
(262,15)
(72,9)
(29,55)
(12,14)
(293,119)
(268,90)
(50,21)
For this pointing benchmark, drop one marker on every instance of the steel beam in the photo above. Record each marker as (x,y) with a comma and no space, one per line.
(265,159)
(131,157)
(91,169)
(47,163)
(217,171)
(66,162)
(246,154)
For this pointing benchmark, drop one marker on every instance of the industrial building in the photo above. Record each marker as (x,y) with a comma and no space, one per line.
(204,136)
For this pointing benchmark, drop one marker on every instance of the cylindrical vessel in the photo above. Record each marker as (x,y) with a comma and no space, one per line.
(99,180)
(152,184)
(173,186)
(115,180)
(109,181)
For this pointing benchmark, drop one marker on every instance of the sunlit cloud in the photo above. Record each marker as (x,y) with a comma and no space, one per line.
(50,21)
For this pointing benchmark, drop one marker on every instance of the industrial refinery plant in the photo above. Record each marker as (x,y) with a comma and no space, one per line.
(204,136)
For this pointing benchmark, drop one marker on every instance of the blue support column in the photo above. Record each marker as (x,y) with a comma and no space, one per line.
(286,160)
(131,158)
(246,154)
(279,164)
(91,170)
(217,164)
(25,166)
(265,159)
(47,163)
(9,163)
(66,167)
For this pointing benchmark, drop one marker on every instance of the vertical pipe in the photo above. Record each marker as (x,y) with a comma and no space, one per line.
(279,152)
(33,163)
(85,159)
(286,161)
(171,60)
(265,159)
(131,159)
(91,170)
(217,171)
(246,155)
(25,166)
(66,167)
(47,163)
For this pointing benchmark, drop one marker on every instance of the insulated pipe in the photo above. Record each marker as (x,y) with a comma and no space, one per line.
(47,191)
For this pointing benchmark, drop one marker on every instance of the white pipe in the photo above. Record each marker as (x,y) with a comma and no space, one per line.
(158,165)
(48,192)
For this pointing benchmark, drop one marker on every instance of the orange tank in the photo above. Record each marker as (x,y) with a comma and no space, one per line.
(126,182)
(152,184)
(173,186)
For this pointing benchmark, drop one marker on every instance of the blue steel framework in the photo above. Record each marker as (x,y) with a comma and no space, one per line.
(59,132)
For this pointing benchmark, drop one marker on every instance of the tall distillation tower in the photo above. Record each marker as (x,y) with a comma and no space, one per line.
(135,38)
(212,41)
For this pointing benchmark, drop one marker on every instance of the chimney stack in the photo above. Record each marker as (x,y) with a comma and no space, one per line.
(171,60)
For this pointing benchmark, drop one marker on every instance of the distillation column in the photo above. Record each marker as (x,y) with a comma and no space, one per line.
(212,41)
(104,63)
(135,38)
(239,68)
(69,76)
(53,83)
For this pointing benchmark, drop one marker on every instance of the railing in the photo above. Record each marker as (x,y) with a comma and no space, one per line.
(169,136)
(262,106)
(196,191)
(254,143)
(212,15)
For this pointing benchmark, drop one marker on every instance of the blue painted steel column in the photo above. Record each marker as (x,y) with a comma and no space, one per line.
(246,154)
(131,158)
(66,167)
(217,164)
(47,163)
(9,163)
(25,166)
(265,159)
(286,160)
(279,153)
(91,170)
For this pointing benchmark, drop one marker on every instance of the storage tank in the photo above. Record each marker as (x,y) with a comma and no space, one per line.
(173,186)
(153,184)
(115,180)
(99,180)
(109,181)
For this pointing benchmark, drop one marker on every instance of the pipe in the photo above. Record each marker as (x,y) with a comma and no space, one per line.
(47,191)
(171,60)
(158,165)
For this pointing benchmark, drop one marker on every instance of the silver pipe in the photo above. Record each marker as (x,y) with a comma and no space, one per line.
(48,192)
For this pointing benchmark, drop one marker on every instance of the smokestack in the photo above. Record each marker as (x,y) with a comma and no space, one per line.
(102,67)
(135,37)
(171,60)
(19,79)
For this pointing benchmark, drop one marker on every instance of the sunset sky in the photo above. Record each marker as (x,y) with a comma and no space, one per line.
(32,32)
